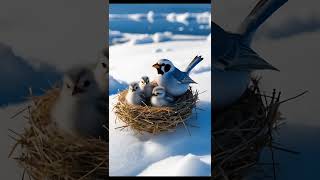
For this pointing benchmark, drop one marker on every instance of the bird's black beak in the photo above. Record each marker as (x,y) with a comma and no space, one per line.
(157,66)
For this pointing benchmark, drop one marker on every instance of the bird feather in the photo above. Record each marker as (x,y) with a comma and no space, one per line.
(182,77)
(196,60)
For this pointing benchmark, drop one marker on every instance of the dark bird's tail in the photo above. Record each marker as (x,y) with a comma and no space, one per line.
(193,63)
(260,13)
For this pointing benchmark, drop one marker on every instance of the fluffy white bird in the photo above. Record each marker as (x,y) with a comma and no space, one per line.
(160,98)
(79,110)
(101,71)
(175,82)
(134,95)
(233,58)
(146,87)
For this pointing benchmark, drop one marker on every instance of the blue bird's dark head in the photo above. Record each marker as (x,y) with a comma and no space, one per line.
(164,66)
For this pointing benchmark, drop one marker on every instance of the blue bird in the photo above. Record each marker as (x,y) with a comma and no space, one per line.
(175,82)
(233,58)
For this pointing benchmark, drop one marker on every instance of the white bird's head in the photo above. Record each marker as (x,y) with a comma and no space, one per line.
(134,87)
(144,81)
(159,91)
(79,82)
(164,66)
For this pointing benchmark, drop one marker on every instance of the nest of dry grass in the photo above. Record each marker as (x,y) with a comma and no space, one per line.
(242,131)
(46,153)
(156,119)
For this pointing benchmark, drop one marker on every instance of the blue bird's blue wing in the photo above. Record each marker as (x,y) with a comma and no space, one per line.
(182,77)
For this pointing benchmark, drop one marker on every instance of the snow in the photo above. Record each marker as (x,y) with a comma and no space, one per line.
(153,38)
(201,18)
(150,16)
(189,165)
(183,18)
(132,154)
(17,75)
(135,17)
(204,18)
(116,86)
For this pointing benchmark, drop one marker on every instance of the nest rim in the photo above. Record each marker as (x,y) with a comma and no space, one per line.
(149,119)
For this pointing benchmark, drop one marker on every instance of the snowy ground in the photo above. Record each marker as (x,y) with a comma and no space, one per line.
(171,154)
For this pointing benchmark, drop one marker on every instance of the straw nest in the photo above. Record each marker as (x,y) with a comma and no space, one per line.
(147,118)
(242,131)
(46,153)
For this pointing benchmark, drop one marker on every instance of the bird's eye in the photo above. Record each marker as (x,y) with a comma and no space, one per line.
(68,86)
(104,65)
(167,67)
(86,83)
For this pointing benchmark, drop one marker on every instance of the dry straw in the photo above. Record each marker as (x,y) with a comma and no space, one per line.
(154,120)
(242,131)
(46,153)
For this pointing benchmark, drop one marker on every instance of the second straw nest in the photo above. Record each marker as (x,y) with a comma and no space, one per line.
(154,120)
(44,152)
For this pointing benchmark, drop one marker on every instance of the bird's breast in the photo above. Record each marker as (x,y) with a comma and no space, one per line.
(228,86)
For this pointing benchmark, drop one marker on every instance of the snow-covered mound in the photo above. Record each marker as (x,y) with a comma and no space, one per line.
(189,165)
(17,75)
(116,86)
(131,154)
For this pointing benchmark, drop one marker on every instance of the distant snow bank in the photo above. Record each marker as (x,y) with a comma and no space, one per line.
(184,18)
(117,37)
(201,18)
(153,38)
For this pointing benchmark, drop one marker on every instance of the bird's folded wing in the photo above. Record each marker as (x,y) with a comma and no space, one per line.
(248,60)
(182,77)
